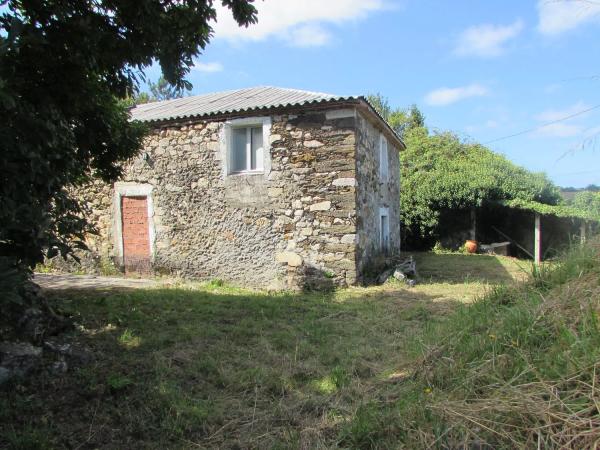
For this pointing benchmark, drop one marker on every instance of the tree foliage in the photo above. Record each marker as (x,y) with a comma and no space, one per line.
(439,171)
(564,210)
(400,120)
(163,90)
(157,91)
(64,68)
(588,201)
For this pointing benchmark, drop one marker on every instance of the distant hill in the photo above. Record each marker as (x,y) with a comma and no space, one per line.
(569,192)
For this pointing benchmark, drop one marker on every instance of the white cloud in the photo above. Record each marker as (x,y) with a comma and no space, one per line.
(488,125)
(309,35)
(558,16)
(486,40)
(552,88)
(208,67)
(446,96)
(297,22)
(560,129)
(550,115)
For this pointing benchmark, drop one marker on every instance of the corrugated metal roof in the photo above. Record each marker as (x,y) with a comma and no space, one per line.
(229,102)
(239,101)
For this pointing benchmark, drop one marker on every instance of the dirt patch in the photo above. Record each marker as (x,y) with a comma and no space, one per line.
(65,281)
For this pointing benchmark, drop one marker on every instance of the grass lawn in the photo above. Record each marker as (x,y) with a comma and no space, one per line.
(465,277)
(208,366)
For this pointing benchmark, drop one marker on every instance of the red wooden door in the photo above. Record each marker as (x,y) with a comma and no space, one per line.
(136,236)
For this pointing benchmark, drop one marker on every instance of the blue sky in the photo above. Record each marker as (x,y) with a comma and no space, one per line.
(484,69)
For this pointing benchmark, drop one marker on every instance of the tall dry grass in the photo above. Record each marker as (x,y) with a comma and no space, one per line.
(520,368)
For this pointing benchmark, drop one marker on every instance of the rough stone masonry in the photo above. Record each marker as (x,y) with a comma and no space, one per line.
(310,219)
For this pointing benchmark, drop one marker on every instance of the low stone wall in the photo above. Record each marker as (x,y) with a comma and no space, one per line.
(293,226)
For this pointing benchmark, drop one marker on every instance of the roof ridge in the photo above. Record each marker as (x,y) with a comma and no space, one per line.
(164,102)
(304,91)
(231,91)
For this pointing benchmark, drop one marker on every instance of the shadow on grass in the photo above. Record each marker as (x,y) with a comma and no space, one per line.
(218,367)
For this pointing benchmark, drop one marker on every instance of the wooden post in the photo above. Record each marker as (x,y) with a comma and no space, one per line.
(537,252)
(583,231)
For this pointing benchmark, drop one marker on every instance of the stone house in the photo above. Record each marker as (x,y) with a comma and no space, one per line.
(259,187)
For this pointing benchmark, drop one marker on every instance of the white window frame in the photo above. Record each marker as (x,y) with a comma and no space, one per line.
(127,189)
(383,158)
(384,241)
(227,144)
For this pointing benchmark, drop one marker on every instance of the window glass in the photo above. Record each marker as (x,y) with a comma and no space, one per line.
(256,155)
(238,150)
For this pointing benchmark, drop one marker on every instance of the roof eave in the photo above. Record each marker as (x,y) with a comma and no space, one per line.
(359,101)
(391,133)
(245,111)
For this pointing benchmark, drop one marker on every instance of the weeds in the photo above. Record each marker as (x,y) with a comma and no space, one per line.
(129,340)
(118,382)
(215,283)
(29,438)
(517,369)
(107,268)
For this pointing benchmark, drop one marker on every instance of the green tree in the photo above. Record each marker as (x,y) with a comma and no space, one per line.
(65,68)
(440,172)
(163,90)
(399,119)
(158,91)
(403,120)
(139,99)
(588,201)
(381,105)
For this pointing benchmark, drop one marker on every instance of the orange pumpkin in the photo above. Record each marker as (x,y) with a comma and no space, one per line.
(471,246)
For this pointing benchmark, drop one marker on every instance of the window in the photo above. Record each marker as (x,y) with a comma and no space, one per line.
(383,158)
(246,149)
(384,229)
(244,146)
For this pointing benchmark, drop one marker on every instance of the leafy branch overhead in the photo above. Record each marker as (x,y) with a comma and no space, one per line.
(65,68)
(158,91)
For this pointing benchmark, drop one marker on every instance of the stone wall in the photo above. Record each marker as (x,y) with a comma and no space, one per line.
(293,226)
(372,194)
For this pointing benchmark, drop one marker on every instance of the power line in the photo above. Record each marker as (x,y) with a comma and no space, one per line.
(590,77)
(529,130)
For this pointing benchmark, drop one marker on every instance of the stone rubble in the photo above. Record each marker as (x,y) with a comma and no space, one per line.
(18,360)
(404,270)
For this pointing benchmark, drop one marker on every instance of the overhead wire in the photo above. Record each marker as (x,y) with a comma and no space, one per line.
(530,130)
